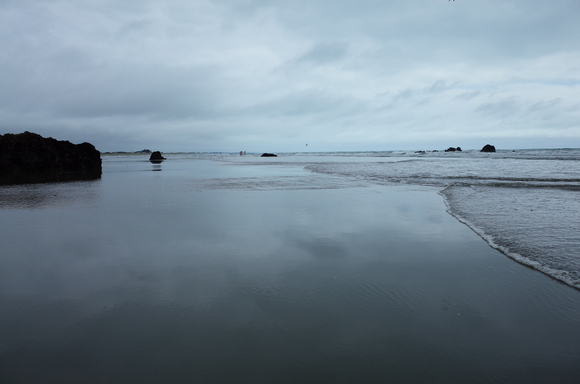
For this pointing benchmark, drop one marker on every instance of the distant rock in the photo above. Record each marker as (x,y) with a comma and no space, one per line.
(452,149)
(268,155)
(156,157)
(31,154)
(488,148)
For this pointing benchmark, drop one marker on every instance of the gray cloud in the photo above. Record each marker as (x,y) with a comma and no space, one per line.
(502,108)
(324,53)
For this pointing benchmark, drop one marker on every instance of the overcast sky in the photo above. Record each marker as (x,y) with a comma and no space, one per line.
(267,75)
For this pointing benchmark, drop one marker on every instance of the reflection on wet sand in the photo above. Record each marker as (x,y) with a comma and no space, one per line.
(43,195)
(40,178)
(219,273)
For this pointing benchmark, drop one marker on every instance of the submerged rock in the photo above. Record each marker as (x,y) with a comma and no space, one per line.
(268,155)
(31,154)
(488,148)
(156,157)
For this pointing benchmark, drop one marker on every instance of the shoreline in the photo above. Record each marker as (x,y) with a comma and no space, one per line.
(224,268)
(558,275)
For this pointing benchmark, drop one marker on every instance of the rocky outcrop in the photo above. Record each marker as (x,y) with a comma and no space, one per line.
(452,149)
(31,154)
(268,155)
(156,157)
(488,148)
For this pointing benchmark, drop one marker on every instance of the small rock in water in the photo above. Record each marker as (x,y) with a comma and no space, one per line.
(488,148)
(156,157)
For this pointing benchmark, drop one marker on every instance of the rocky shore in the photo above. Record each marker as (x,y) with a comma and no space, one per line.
(30,156)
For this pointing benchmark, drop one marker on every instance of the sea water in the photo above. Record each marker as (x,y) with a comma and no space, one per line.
(525,203)
(305,268)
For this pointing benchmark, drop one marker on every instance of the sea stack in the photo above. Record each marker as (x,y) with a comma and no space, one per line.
(488,148)
(31,154)
(156,157)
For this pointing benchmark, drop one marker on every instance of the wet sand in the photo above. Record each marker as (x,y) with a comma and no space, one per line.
(223,273)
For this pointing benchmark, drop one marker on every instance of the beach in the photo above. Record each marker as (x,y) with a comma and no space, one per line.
(233,270)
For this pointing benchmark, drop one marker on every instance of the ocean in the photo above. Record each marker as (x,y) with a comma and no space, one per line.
(525,203)
(345,267)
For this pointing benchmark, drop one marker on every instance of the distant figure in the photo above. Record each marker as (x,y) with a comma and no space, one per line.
(306,145)
(244,153)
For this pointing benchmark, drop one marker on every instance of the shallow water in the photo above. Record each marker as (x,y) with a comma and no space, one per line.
(231,272)
(525,203)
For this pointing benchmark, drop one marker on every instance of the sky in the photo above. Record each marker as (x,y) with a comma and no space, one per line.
(273,76)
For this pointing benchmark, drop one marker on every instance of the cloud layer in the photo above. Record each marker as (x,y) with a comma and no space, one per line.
(228,75)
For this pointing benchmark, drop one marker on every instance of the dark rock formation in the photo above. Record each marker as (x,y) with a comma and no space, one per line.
(451,149)
(488,148)
(31,154)
(268,155)
(156,157)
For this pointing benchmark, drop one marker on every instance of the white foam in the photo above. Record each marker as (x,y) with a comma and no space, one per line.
(564,269)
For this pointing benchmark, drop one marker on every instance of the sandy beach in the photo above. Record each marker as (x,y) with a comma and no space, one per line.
(210,272)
